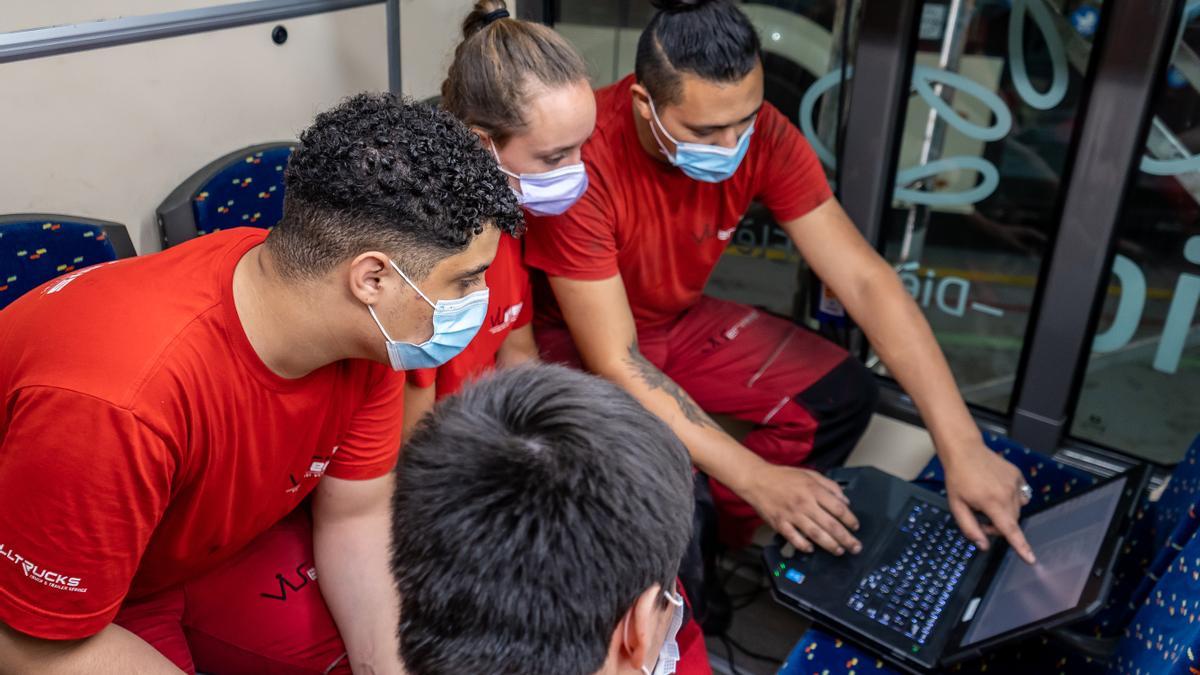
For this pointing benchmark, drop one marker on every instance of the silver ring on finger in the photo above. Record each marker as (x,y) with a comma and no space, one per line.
(1026,493)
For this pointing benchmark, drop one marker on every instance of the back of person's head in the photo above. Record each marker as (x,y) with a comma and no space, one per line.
(502,62)
(380,173)
(711,39)
(532,511)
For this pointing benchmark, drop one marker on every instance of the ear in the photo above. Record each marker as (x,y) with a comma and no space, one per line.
(641,100)
(639,631)
(485,138)
(366,274)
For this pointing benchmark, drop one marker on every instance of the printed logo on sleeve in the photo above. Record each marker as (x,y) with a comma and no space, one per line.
(509,318)
(319,463)
(41,575)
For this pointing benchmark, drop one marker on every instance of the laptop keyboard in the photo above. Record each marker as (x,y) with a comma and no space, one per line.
(918,574)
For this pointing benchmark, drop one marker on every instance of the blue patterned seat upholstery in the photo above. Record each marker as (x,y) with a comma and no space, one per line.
(1164,636)
(243,188)
(1154,606)
(35,248)
(1049,479)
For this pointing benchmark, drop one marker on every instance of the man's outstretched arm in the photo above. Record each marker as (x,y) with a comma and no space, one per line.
(976,478)
(802,505)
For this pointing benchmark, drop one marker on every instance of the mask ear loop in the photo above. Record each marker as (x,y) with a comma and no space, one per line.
(676,600)
(499,164)
(658,123)
(410,283)
(380,324)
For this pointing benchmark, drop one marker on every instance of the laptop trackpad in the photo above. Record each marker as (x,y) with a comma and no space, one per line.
(838,574)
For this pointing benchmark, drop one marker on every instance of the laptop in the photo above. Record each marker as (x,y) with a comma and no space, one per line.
(923,596)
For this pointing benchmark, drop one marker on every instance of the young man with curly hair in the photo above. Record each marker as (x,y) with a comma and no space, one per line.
(161,445)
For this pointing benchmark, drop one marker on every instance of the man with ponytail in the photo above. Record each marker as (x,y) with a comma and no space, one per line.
(681,148)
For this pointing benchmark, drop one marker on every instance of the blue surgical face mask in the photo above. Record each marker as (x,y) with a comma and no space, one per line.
(708,163)
(455,323)
(549,193)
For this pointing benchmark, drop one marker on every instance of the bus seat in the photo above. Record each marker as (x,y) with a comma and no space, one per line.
(1049,479)
(1164,634)
(36,247)
(1156,621)
(243,188)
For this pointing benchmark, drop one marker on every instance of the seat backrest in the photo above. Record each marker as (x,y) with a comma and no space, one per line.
(243,188)
(1180,495)
(1164,635)
(1052,480)
(36,247)
(1161,528)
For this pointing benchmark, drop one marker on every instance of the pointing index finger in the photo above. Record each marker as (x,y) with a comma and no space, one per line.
(1016,538)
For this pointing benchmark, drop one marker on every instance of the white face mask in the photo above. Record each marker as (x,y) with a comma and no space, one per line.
(668,656)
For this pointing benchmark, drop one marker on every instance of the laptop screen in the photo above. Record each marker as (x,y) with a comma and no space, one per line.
(1066,539)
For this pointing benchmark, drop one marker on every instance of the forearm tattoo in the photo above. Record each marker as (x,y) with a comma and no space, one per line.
(655,379)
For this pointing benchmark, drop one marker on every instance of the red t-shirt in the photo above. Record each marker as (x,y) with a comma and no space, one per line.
(142,440)
(510,306)
(661,230)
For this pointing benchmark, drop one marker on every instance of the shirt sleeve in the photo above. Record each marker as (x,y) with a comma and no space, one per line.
(83,484)
(581,243)
(371,444)
(792,182)
(423,378)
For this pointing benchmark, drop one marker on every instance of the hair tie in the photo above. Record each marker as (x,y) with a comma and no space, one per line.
(492,17)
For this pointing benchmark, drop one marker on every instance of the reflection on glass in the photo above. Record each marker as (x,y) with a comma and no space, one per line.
(1141,392)
(804,47)
(606,33)
(995,93)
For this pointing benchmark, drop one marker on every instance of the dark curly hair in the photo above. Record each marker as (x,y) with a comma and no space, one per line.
(383,173)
